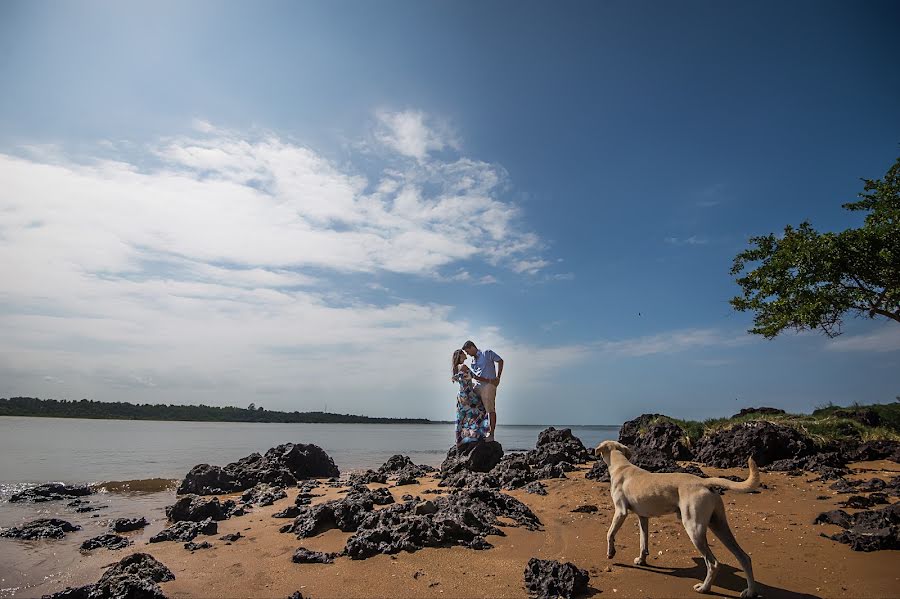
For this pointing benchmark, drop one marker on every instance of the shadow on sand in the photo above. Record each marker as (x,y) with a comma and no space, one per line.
(729,578)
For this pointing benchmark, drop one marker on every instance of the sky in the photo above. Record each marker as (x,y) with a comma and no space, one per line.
(310,205)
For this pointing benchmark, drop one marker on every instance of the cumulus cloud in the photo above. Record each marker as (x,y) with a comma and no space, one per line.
(412,133)
(211,264)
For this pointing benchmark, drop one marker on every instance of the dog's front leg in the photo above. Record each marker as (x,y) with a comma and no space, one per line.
(641,560)
(618,519)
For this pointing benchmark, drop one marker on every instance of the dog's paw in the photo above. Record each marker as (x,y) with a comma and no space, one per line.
(640,561)
(700,588)
(747,594)
(610,553)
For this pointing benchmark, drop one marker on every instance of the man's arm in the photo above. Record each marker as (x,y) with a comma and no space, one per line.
(499,369)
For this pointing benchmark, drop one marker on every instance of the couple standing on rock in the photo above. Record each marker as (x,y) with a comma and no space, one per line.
(476,415)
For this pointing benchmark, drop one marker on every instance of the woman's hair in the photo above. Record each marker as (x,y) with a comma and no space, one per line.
(455,362)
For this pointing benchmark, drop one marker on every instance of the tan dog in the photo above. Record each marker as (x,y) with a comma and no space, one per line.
(689,497)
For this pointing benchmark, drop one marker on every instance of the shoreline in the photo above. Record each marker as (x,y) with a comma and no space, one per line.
(791,559)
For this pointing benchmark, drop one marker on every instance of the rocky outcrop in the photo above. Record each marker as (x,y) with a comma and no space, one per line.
(281,466)
(555,446)
(829,465)
(871,530)
(760,411)
(136,576)
(471,457)
(462,518)
(186,531)
(547,579)
(263,494)
(192,508)
(598,472)
(51,492)
(128,524)
(873,450)
(43,528)
(652,432)
(765,441)
(109,541)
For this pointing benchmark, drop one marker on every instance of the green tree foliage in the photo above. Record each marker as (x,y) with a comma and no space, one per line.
(118,410)
(807,280)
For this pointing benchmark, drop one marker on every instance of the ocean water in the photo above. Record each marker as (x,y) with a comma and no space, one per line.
(136,466)
(88,451)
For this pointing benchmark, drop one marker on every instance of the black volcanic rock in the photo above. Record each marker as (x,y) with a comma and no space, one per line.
(368,477)
(186,531)
(765,441)
(863,501)
(196,509)
(651,432)
(192,546)
(128,524)
(51,492)
(461,518)
(305,556)
(548,579)
(481,456)
(281,466)
(558,445)
(760,411)
(109,541)
(859,486)
(43,528)
(871,530)
(598,472)
(135,576)
(263,494)
(536,488)
(874,450)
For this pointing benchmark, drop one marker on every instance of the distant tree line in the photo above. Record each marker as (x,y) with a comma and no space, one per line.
(118,410)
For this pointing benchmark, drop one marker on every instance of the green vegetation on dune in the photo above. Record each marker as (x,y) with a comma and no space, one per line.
(53,408)
(826,424)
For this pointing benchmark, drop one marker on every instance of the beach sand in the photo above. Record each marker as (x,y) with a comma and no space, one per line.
(790,558)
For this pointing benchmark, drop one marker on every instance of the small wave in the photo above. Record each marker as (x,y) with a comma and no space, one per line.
(139,486)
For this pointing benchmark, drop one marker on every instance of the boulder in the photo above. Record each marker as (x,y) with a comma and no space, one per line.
(651,432)
(598,472)
(196,509)
(42,528)
(263,494)
(128,524)
(51,492)
(765,441)
(192,546)
(558,445)
(761,411)
(472,457)
(281,466)
(186,531)
(548,579)
(109,541)
(136,576)
(871,530)
(873,450)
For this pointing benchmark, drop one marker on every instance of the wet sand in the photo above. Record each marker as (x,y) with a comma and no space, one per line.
(790,558)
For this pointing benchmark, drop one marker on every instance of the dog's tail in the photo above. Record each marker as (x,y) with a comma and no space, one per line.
(744,487)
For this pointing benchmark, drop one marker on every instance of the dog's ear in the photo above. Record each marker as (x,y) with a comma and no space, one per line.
(625,451)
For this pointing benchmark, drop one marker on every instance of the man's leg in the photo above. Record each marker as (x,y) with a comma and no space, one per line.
(488,397)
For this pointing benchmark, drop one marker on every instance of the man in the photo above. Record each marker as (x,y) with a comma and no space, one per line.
(483,366)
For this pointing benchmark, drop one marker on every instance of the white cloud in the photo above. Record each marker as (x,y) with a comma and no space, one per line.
(672,341)
(692,240)
(885,340)
(412,133)
(211,276)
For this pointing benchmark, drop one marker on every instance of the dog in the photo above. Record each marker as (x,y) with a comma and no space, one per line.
(689,497)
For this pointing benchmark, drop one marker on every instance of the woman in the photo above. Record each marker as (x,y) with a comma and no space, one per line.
(471,416)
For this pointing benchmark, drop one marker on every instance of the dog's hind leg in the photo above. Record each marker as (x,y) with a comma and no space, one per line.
(719,525)
(618,519)
(697,532)
(641,560)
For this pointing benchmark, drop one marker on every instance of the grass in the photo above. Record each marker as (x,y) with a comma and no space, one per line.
(825,425)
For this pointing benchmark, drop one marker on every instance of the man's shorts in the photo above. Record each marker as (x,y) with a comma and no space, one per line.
(488,394)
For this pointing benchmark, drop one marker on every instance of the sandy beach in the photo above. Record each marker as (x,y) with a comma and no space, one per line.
(790,557)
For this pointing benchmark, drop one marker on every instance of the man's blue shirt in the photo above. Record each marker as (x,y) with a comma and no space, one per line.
(483,363)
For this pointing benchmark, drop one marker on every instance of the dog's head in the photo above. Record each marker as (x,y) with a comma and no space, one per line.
(604,449)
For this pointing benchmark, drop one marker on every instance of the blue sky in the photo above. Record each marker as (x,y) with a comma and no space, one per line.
(299,203)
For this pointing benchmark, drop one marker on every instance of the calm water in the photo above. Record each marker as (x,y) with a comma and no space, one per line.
(86,451)
(35,450)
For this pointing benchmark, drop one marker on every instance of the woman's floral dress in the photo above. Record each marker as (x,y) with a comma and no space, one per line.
(472,422)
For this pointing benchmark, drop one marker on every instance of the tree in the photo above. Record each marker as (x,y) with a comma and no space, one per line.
(807,280)
(252,407)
